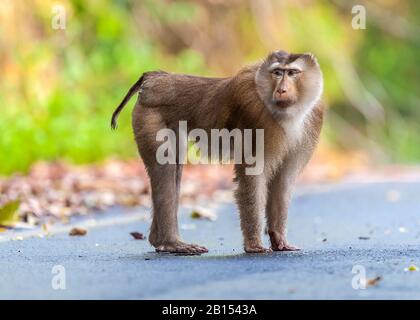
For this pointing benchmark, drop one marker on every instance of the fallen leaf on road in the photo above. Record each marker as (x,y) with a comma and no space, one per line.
(9,213)
(137,235)
(77,232)
(364,238)
(412,267)
(374,281)
(202,213)
(45,228)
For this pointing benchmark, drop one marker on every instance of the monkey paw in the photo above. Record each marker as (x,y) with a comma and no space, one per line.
(256,249)
(284,246)
(182,248)
(279,243)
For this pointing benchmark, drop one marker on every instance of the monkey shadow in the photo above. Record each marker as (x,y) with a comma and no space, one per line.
(152,255)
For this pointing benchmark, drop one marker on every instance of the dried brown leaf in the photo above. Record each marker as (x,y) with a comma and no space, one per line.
(137,235)
(77,231)
(374,281)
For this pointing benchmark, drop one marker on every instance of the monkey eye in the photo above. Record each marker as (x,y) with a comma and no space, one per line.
(293,72)
(278,72)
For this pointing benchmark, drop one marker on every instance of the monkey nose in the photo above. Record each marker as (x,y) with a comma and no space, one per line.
(282,91)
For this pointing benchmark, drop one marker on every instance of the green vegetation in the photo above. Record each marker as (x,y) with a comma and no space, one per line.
(59,87)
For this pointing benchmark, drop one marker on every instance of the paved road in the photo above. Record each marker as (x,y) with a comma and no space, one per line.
(326,222)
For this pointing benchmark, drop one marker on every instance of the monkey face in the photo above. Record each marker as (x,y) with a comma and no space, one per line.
(288,81)
(285,84)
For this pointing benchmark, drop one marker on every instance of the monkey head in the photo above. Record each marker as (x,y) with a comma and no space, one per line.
(289,83)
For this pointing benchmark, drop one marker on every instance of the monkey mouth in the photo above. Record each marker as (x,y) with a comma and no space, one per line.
(283,103)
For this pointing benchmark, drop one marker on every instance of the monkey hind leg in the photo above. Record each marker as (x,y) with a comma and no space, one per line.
(165,180)
(164,234)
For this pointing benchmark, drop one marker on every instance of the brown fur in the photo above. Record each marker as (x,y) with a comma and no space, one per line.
(216,103)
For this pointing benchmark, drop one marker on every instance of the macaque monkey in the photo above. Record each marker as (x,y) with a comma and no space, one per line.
(280,95)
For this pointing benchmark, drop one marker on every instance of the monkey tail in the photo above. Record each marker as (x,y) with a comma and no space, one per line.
(135,88)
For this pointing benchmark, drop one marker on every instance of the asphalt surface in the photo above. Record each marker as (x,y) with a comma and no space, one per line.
(326,222)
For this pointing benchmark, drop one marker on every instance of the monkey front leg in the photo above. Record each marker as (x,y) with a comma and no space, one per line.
(279,196)
(250,198)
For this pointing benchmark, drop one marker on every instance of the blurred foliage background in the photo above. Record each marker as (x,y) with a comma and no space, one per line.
(58,88)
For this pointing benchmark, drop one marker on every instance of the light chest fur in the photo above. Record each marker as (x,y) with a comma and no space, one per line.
(293,129)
